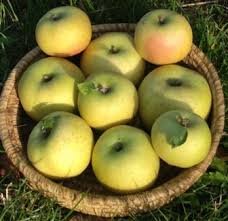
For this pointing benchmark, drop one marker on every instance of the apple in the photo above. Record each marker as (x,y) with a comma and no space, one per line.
(48,85)
(63,31)
(170,87)
(60,145)
(124,161)
(163,36)
(107,99)
(181,138)
(115,52)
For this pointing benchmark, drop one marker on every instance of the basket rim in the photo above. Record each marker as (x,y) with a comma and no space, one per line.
(113,205)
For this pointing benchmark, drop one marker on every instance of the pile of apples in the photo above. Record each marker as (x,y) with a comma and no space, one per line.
(109,111)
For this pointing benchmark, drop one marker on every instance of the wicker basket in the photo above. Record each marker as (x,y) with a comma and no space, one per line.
(83,193)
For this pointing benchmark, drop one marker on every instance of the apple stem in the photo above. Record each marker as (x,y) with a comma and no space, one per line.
(55,17)
(113,49)
(45,131)
(47,77)
(47,125)
(183,121)
(102,89)
(161,20)
(118,146)
(88,86)
(174,82)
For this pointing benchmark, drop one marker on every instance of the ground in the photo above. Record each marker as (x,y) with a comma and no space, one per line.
(207,199)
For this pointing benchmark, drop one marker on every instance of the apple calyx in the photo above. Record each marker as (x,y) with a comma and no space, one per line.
(46,126)
(89,86)
(179,133)
(113,50)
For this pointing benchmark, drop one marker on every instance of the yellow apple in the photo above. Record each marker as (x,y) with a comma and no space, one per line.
(49,85)
(60,145)
(163,36)
(171,87)
(107,99)
(115,52)
(63,31)
(124,161)
(181,138)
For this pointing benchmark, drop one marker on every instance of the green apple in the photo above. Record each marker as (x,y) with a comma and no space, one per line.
(181,138)
(124,161)
(60,145)
(63,31)
(49,85)
(115,52)
(163,36)
(172,87)
(107,99)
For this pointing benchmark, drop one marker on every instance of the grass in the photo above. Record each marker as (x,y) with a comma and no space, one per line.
(207,199)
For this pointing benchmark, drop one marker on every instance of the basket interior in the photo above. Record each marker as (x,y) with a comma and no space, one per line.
(86,181)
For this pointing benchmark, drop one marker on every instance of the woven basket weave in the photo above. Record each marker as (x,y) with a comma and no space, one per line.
(84,194)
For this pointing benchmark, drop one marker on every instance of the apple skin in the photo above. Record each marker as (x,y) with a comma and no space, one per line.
(192,149)
(163,36)
(60,145)
(157,95)
(113,52)
(107,99)
(58,92)
(63,31)
(124,161)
